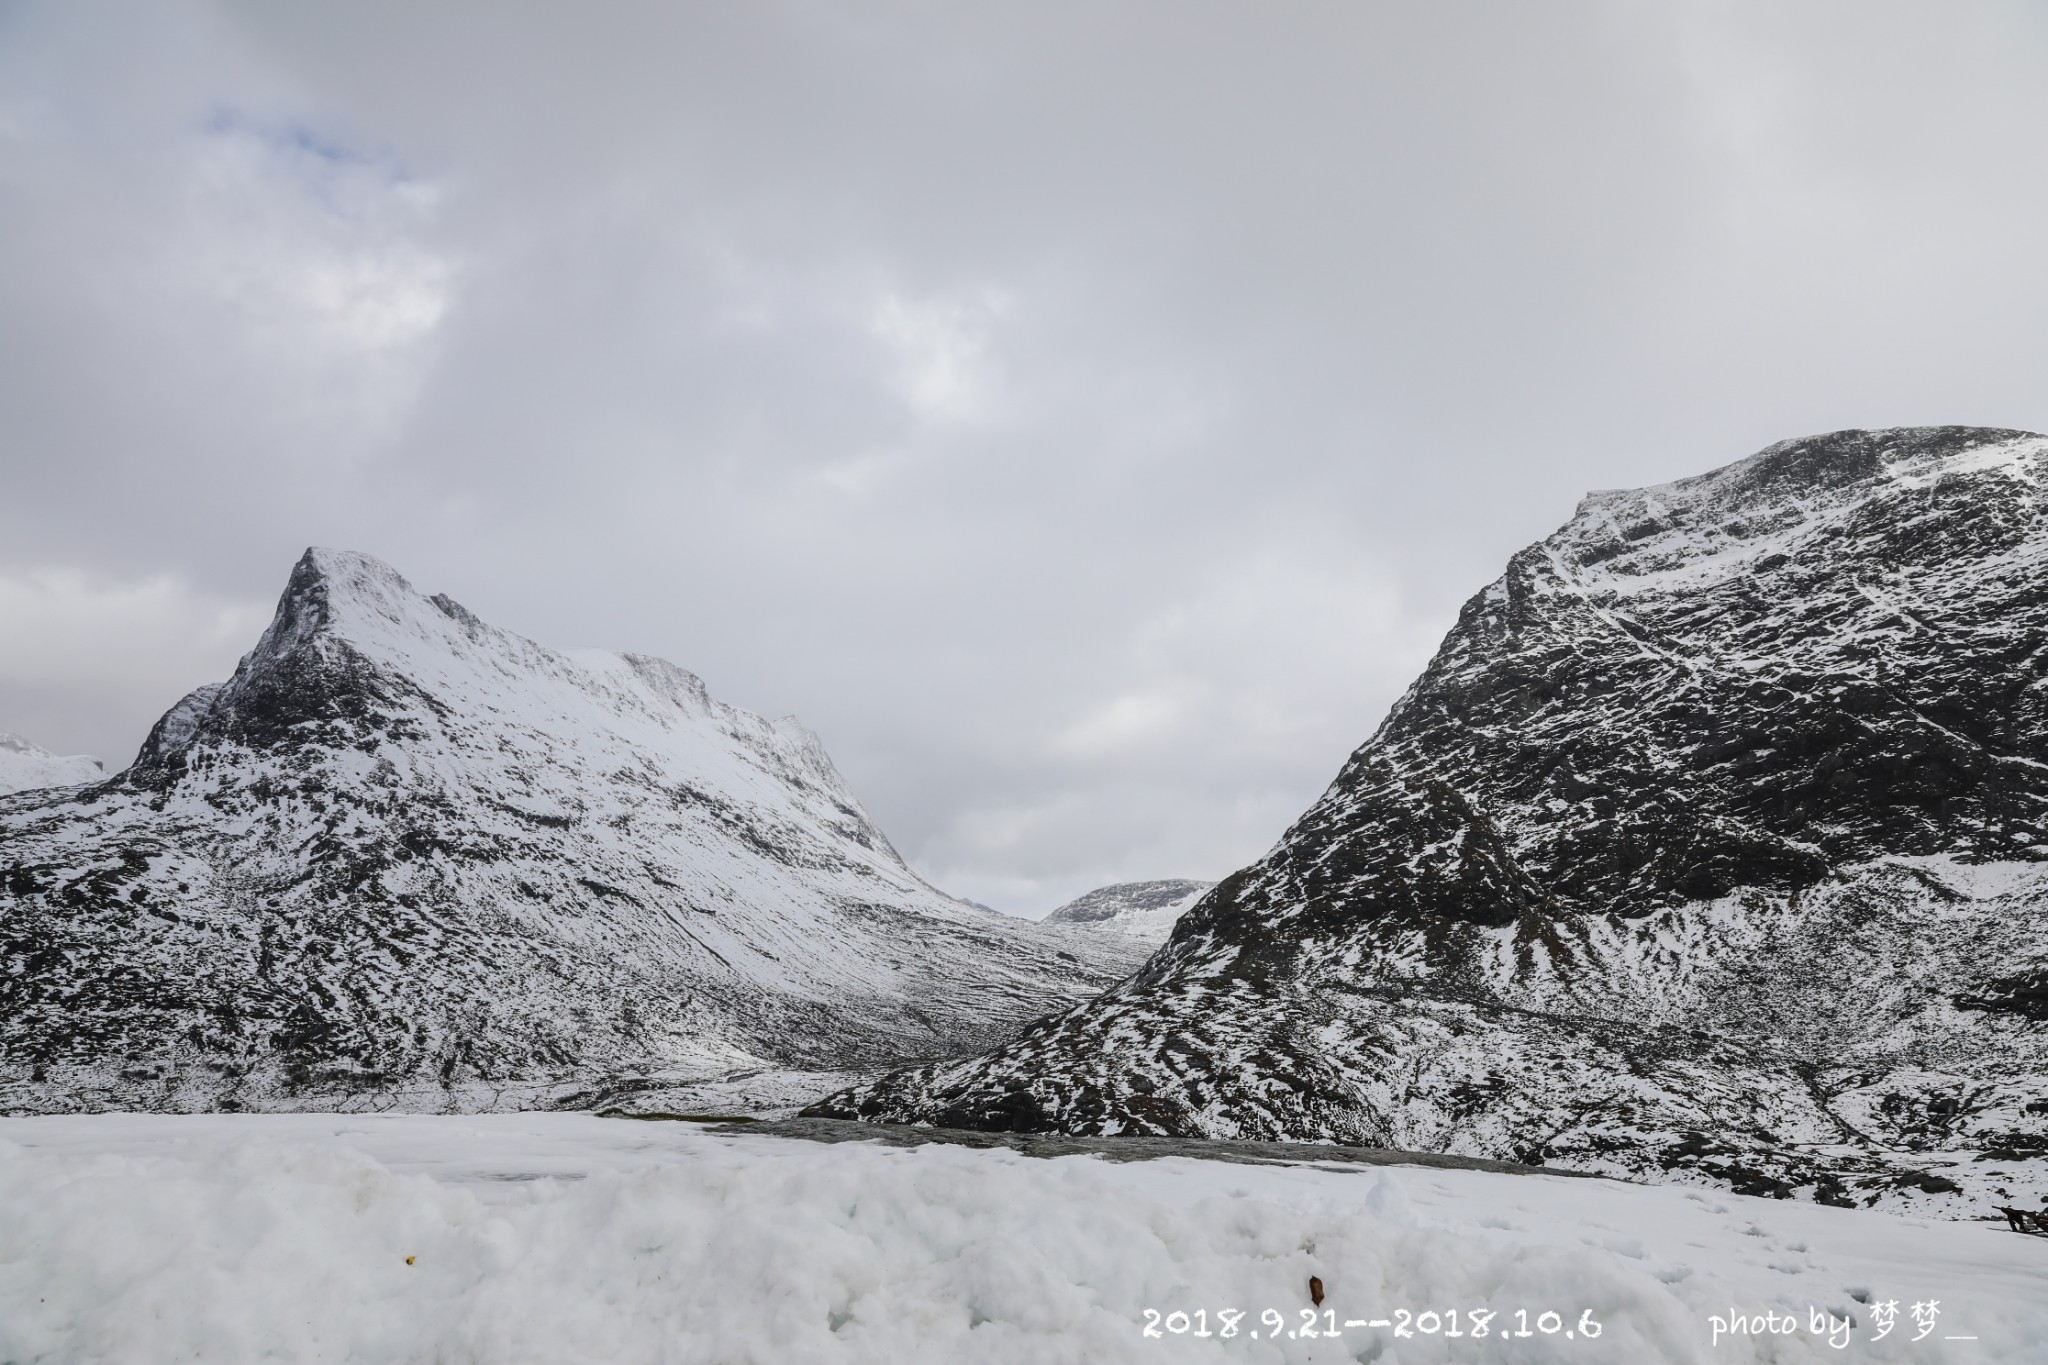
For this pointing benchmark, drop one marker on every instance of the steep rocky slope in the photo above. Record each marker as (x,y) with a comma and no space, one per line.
(405,858)
(1709,846)
(28,767)
(1140,910)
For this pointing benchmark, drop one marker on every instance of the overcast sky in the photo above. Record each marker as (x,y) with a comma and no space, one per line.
(1087,417)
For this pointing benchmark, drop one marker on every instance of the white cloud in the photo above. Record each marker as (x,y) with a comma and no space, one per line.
(1123,725)
(316,263)
(943,366)
(377,301)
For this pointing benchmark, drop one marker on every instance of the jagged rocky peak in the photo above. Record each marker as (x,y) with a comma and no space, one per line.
(355,651)
(25,766)
(342,588)
(1144,910)
(354,648)
(1711,844)
(343,597)
(314,662)
(404,857)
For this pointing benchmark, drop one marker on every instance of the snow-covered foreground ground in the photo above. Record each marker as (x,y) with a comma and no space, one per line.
(568,1238)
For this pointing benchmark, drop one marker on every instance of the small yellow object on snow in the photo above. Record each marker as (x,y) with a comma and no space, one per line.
(409,1260)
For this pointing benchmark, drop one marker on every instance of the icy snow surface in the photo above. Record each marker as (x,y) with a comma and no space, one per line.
(557,1238)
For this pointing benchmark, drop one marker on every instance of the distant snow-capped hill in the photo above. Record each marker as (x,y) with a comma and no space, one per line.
(405,857)
(28,767)
(1140,910)
(1711,845)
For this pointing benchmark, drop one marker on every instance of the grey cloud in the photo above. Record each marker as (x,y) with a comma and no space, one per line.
(1086,417)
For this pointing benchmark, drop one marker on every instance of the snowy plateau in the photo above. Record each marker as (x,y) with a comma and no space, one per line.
(404,859)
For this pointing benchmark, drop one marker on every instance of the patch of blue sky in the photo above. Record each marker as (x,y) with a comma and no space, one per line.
(323,160)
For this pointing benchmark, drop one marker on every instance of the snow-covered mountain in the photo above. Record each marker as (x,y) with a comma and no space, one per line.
(28,767)
(1140,910)
(1712,845)
(405,858)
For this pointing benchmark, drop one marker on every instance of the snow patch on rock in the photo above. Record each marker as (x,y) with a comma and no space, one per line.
(1140,910)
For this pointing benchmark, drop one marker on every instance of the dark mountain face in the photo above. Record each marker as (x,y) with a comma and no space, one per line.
(405,859)
(1711,842)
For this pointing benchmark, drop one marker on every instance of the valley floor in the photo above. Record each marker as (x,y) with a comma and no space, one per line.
(563,1237)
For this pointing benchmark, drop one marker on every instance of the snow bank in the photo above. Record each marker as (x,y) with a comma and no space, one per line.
(567,1238)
